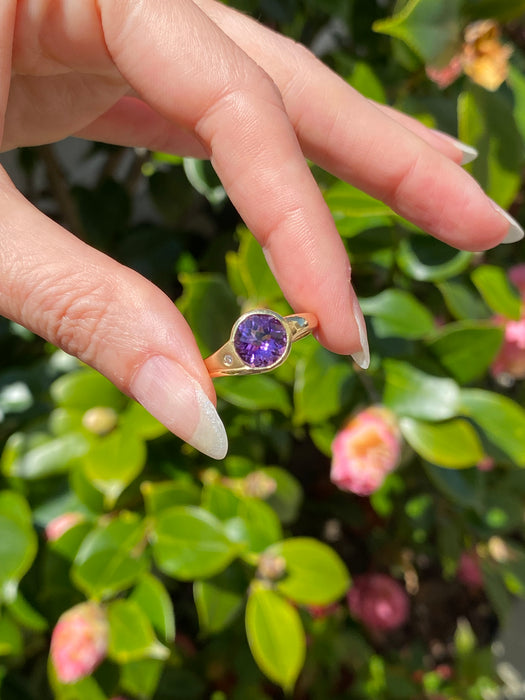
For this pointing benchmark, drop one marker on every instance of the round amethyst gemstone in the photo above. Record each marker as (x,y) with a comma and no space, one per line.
(260,340)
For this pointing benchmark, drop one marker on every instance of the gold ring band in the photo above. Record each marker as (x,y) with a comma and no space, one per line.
(260,341)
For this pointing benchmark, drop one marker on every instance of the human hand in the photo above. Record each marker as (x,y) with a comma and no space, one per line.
(199,79)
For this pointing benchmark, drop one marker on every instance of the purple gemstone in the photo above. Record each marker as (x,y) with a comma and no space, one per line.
(260,340)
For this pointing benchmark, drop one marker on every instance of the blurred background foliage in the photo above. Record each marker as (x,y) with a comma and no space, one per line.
(229,580)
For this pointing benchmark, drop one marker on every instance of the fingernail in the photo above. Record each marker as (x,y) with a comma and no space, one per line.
(174,398)
(469,152)
(515,232)
(362,357)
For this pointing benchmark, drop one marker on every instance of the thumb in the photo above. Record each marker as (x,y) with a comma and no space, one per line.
(109,317)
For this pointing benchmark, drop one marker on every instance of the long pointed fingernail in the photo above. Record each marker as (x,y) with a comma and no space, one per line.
(469,152)
(174,398)
(515,232)
(361,357)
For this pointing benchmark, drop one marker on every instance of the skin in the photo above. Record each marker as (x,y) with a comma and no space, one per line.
(199,79)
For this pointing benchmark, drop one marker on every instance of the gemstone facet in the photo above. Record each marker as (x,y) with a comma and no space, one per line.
(260,340)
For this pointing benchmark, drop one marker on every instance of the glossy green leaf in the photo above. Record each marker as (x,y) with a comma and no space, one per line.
(136,420)
(255,393)
(502,10)
(190,542)
(365,81)
(431,28)
(112,557)
(84,389)
(486,121)
(259,287)
(516,80)
(68,544)
(315,574)
(219,599)
(466,349)
(494,286)
(426,259)
(153,599)
(453,444)
(26,615)
(141,678)
(15,397)
(160,495)
(501,419)
(220,501)
(461,486)
(18,543)
(131,635)
(113,462)
(355,211)
(210,308)
(397,313)
(410,392)
(256,525)
(11,641)
(85,689)
(462,301)
(275,635)
(203,178)
(323,383)
(287,499)
(22,458)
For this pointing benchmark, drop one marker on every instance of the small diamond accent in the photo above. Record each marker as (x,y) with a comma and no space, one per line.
(227,359)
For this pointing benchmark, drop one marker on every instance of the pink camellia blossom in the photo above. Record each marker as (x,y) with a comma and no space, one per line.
(79,642)
(379,602)
(365,451)
(61,524)
(469,570)
(510,361)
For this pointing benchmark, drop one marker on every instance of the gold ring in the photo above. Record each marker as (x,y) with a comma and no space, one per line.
(259,342)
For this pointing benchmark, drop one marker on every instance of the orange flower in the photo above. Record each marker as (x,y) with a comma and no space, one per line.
(484,58)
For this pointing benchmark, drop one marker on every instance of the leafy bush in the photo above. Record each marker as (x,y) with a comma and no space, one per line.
(166,575)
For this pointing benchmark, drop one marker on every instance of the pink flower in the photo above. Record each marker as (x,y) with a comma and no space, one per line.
(79,642)
(486,464)
(365,451)
(511,358)
(469,571)
(61,524)
(517,277)
(443,77)
(318,612)
(379,602)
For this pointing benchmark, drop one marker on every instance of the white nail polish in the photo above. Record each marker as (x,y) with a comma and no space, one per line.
(362,357)
(515,232)
(469,152)
(174,398)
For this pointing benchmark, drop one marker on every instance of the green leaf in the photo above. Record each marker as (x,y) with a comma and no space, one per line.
(462,301)
(398,313)
(11,641)
(259,287)
(501,419)
(275,635)
(154,600)
(466,349)
(516,80)
(161,495)
(502,10)
(255,393)
(15,396)
(68,544)
(494,286)
(113,462)
(365,81)
(256,525)
(203,178)
(18,544)
(315,574)
(135,419)
(322,386)
(459,486)
(131,635)
(112,557)
(50,456)
(431,28)
(210,308)
(219,599)
(26,615)
(84,389)
(355,211)
(287,499)
(141,678)
(189,542)
(453,444)
(410,392)
(486,121)
(426,259)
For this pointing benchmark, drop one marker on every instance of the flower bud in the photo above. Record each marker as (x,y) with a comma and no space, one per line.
(378,601)
(100,420)
(79,642)
(365,451)
(469,571)
(61,524)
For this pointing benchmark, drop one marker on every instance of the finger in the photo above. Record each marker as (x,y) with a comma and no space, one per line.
(350,136)
(131,122)
(108,316)
(235,110)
